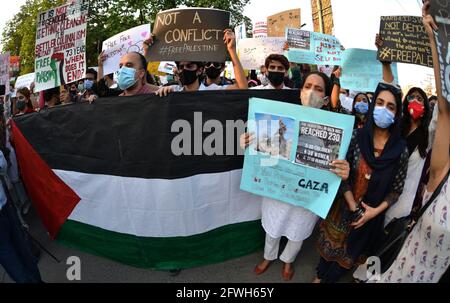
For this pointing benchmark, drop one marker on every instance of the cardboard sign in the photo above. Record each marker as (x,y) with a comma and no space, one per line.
(191,34)
(240,32)
(441,15)
(14,67)
(404,40)
(313,48)
(277,24)
(254,51)
(128,41)
(289,160)
(24,81)
(4,71)
(362,71)
(260,29)
(61,45)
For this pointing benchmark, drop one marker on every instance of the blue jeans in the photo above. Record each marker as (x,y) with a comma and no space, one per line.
(15,253)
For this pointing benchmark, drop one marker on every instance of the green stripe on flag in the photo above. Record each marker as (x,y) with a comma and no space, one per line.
(215,246)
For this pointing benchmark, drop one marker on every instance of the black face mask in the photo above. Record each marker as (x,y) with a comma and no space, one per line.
(21,105)
(276,78)
(187,77)
(213,73)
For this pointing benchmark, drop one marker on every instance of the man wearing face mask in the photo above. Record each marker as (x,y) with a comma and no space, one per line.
(190,72)
(277,67)
(132,75)
(87,88)
(213,80)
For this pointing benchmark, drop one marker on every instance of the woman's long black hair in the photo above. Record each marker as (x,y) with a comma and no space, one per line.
(422,130)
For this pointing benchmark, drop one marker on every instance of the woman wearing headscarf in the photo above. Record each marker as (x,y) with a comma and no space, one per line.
(282,219)
(425,255)
(360,108)
(378,159)
(415,129)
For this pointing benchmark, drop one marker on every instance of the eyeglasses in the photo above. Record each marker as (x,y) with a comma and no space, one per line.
(215,64)
(390,87)
(411,98)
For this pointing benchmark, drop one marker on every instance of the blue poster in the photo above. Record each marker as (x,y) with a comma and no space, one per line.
(313,48)
(361,71)
(290,157)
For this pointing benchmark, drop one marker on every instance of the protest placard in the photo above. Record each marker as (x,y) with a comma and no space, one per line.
(277,24)
(4,71)
(24,81)
(123,43)
(254,51)
(191,34)
(361,71)
(404,40)
(289,160)
(441,14)
(60,52)
(241,32)
(313,48)
(167,67)
(260,29)
(14,67)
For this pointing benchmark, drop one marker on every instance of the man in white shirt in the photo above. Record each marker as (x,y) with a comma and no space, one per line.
(189,72)
(277,69)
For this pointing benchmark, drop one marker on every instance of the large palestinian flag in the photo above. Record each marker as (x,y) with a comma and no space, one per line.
(104,179)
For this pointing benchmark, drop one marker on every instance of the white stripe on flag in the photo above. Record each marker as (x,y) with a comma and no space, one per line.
(161,208)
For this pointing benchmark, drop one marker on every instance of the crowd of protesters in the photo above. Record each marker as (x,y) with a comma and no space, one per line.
(397,159)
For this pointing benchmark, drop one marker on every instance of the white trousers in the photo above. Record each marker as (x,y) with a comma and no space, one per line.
(289,254)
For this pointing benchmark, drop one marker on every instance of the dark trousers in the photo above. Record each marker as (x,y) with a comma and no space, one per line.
(15,253)
(330,272)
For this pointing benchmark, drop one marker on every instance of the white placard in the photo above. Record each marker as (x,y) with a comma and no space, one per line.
(128,41)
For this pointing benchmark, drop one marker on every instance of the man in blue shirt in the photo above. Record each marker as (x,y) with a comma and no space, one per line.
(15,254)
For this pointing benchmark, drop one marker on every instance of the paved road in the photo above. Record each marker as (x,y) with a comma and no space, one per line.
(96,269)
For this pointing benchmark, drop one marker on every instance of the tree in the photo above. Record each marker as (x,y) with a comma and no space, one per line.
(106,18)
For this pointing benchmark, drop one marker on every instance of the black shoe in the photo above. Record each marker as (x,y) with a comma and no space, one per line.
(174,272)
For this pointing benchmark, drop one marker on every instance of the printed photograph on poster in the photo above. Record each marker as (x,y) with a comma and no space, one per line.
(274,135)
(318,145)
(299,39)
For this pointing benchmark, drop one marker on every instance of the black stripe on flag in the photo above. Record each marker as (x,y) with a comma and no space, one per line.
(131,136)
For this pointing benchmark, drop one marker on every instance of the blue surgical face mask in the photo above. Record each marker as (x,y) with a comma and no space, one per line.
(361,107)
(126,77)
(383,117)
(88,84)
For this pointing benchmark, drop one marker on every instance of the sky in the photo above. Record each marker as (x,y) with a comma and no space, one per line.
(356,22)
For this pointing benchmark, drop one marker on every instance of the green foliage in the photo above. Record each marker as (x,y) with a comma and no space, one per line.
(106,18)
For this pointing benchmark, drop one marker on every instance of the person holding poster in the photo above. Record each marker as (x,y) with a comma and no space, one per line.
(429,239)
(282,219)
(190,72)
(132,75)
(378,158)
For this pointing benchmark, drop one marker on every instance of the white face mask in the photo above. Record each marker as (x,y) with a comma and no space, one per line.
(310,99)
(264,79)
